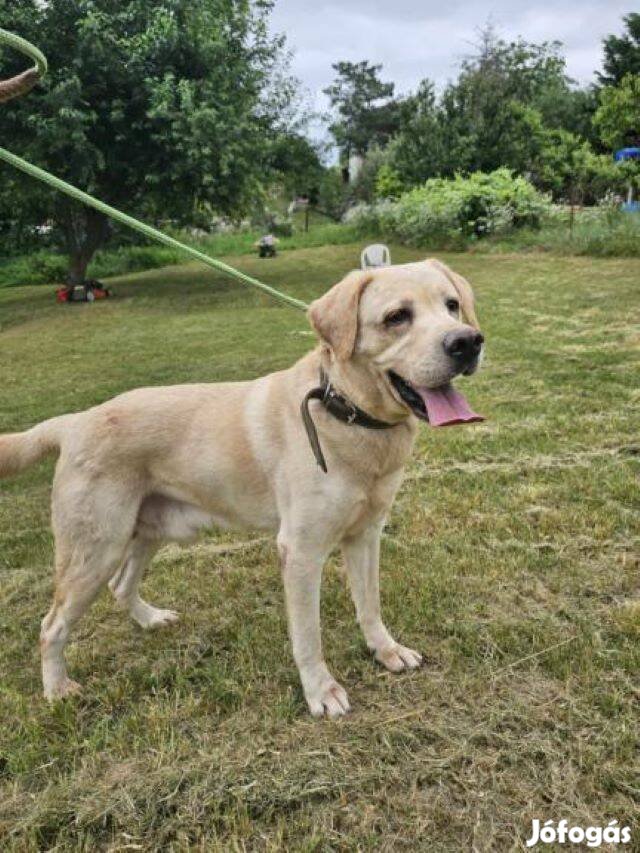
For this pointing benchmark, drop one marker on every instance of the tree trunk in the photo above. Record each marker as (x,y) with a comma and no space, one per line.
(78,264)
(85,230)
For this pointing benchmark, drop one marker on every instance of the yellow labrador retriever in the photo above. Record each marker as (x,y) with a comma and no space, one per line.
(159,464)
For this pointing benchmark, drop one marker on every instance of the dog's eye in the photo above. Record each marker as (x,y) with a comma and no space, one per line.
(452,305)
(397,318)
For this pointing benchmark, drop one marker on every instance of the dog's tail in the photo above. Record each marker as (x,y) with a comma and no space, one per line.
(18,450)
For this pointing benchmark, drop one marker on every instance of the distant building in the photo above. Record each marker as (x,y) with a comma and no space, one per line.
(356,162)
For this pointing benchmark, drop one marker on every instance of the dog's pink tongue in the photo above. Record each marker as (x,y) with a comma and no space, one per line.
(446,406)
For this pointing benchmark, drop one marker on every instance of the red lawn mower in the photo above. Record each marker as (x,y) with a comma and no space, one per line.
(87,292)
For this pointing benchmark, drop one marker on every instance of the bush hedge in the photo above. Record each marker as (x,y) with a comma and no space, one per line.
(456,209)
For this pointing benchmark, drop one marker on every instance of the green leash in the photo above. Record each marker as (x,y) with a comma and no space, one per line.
(25,81)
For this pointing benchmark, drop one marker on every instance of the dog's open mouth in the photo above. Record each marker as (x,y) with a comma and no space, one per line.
(443,406)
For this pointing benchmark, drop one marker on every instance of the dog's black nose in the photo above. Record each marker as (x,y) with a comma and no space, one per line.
(463,346)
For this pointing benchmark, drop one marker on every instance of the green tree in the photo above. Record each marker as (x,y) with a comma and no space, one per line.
(158,108)
(571,170)
(422,148)
(566,107)
(622,53)
(366,113)
(297,165)
(333,198)
(507,95)
(618,116)
(502,89)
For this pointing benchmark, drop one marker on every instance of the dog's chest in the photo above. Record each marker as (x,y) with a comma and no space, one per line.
(371,501)
(376,477)
(380,455)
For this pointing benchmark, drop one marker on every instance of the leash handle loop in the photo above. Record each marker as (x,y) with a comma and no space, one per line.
(21,83)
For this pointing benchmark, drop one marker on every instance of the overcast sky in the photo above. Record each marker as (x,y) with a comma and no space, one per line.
(414,39)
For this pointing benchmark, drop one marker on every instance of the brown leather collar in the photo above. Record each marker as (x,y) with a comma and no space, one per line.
(338,406)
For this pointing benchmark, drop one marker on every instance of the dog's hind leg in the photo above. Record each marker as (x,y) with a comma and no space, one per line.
(124,585)
(160,519)
(93,522)
(79,580)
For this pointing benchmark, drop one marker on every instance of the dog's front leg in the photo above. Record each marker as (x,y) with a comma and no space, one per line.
(362,558)
(302,574)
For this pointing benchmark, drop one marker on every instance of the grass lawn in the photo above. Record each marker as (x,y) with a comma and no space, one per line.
(510,558)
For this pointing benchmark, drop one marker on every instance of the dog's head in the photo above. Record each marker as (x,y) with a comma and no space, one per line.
(410,328)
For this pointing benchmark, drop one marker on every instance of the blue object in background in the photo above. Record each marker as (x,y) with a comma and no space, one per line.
(627,154)
(629,206)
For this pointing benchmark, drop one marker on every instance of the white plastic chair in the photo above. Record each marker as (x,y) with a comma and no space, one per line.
(376,255)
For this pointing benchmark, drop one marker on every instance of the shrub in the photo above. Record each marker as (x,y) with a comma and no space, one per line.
(389,184)
(568,167)
(456,209)
(35,268)
(332,194)
(267,220)
(278,225)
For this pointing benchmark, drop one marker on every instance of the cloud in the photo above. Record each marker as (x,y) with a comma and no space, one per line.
(414,39)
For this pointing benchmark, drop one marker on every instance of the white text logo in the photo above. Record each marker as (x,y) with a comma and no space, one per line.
(592,836)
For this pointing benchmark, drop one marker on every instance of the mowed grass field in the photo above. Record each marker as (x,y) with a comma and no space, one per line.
(510,558)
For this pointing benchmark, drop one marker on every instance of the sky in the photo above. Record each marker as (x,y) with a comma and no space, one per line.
(414,39)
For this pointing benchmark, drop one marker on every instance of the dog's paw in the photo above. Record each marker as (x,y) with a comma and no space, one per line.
(62,690)
(328,698)
(397,658)
(149,617)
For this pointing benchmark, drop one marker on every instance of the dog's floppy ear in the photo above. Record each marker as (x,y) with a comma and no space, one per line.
(335,315)
(465,294)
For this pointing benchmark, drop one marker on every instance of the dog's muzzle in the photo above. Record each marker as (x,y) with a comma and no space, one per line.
(463,348)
